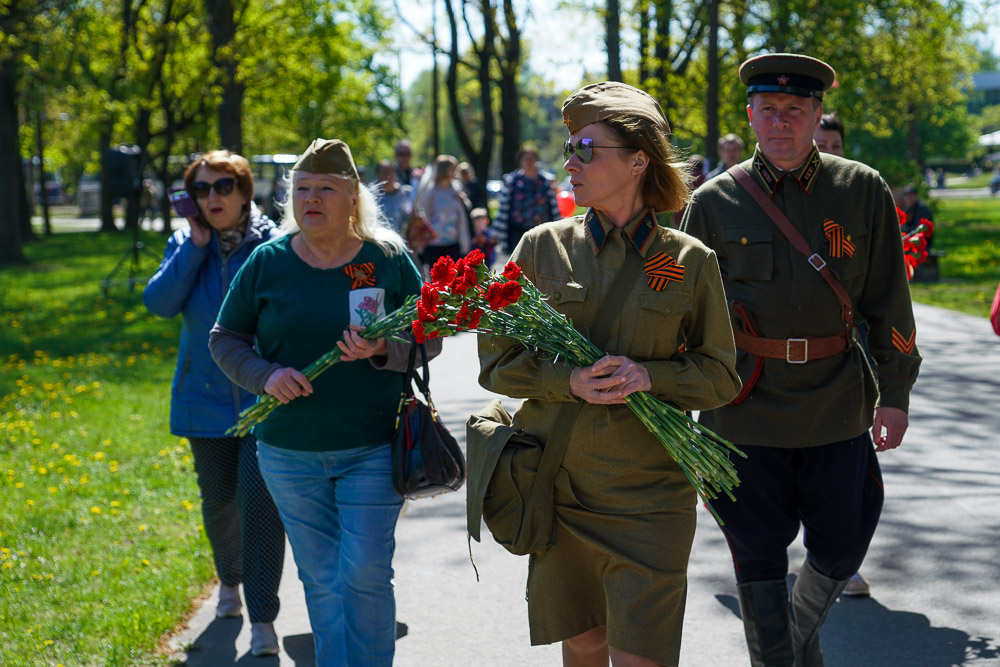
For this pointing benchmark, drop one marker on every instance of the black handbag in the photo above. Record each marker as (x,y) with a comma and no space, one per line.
(426,458)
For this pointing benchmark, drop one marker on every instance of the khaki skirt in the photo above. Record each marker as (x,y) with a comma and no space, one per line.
(627,572)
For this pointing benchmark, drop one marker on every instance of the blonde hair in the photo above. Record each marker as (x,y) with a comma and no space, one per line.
(368,221)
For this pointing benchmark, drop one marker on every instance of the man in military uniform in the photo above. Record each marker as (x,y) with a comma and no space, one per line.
(809,397)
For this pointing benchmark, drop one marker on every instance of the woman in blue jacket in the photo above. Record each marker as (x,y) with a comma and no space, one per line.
(242,524)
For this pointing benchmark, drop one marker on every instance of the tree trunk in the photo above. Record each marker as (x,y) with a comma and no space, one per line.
(644,71)
(712,93)
(510,109)
(107,201)
(10,166)
(222,25)
(613,42)
(40,149)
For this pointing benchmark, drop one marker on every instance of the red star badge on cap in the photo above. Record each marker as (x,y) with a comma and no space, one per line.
(782,80)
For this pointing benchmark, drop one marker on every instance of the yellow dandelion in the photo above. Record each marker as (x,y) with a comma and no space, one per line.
(53,489)
(142,527)
(95,510)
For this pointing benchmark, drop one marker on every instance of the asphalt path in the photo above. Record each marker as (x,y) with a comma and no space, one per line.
(933,564)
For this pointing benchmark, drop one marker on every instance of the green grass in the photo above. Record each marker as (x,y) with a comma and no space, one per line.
(980,181)
(101,544)
(968,231)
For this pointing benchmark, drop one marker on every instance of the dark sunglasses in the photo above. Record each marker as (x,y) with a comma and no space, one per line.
(222,187)
(584,149)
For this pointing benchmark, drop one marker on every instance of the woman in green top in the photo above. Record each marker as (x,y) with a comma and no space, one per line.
(324,453)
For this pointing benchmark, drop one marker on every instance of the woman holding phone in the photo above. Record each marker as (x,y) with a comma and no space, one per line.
(241,522)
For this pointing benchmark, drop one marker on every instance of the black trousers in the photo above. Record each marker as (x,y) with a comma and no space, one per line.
(834,491)
(241,521)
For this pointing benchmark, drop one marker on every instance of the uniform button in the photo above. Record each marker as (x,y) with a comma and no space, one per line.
(668,310)
(557,296)
(744,240)
(848,237)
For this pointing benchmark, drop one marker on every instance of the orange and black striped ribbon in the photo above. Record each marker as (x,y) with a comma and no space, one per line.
(361,275)
(840,245)
(661,268)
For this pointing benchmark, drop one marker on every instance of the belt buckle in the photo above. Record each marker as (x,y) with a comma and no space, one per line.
(788,350)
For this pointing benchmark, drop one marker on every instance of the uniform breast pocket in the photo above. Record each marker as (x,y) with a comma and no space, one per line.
(566,296)
(657,333)
(749,254)
(846,252)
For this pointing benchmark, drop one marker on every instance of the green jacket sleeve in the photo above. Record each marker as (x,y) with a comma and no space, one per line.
(885,304)
(507,367)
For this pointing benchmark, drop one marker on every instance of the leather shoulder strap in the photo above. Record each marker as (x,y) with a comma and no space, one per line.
(798,242)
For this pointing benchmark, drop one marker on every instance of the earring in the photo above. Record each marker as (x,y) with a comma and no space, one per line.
(352,220)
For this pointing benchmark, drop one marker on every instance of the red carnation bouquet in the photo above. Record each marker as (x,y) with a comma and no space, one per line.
(465,295)
(915,242)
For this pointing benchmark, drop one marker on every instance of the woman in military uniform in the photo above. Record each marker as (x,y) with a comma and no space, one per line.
(613,583)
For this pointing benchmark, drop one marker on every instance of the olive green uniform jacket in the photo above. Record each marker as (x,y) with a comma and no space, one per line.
(614,463)
(846,213)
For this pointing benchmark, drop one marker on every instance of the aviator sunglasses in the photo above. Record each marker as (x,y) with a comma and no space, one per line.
(222,187)
(584,149)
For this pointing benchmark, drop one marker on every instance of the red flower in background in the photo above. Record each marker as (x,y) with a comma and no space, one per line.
(901,214)
(928,227)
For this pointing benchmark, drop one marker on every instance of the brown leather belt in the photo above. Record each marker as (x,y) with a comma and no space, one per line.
(792,350)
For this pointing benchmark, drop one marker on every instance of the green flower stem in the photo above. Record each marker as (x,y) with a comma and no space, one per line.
(389,326)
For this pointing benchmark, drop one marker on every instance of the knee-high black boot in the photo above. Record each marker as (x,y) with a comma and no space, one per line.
(812,597)
(764,606)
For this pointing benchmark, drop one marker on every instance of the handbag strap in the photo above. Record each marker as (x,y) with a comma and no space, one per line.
(412,377)
(797,240)
(608,310)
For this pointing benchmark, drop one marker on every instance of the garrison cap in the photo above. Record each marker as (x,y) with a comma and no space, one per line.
(327,156)
(610,99)
(788,73)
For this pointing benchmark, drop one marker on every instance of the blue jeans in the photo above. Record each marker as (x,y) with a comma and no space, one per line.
(340,509)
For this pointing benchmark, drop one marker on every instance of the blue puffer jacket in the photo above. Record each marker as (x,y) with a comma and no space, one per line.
(193,281)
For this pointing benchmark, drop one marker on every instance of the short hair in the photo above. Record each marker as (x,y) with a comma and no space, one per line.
(665,181)
(465,169)
(479,213)
(403,143)
(830,121)
(443,165)
(525,149)
(224,161)
(731,139)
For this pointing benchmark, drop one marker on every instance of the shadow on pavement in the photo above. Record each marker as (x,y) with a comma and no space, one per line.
(862,632)
(300,649)
(216,645)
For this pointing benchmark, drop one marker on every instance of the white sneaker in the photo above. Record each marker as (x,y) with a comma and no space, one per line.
(229,602)
(857,586)
(263,640)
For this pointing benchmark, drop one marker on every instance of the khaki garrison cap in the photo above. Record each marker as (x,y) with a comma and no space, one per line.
(788,73)
(609,99)
(327,156)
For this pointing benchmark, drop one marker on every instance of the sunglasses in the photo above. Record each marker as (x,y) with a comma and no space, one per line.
(222,187)
(584,149)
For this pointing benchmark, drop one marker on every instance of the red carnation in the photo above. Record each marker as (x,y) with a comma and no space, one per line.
(901,214)
(475,257)
(443,271)
(511,292)
(477,315)
(494,296)
(429,296)
(928,227)
(418,332)
(512,271)
(462,319)
(425,315)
